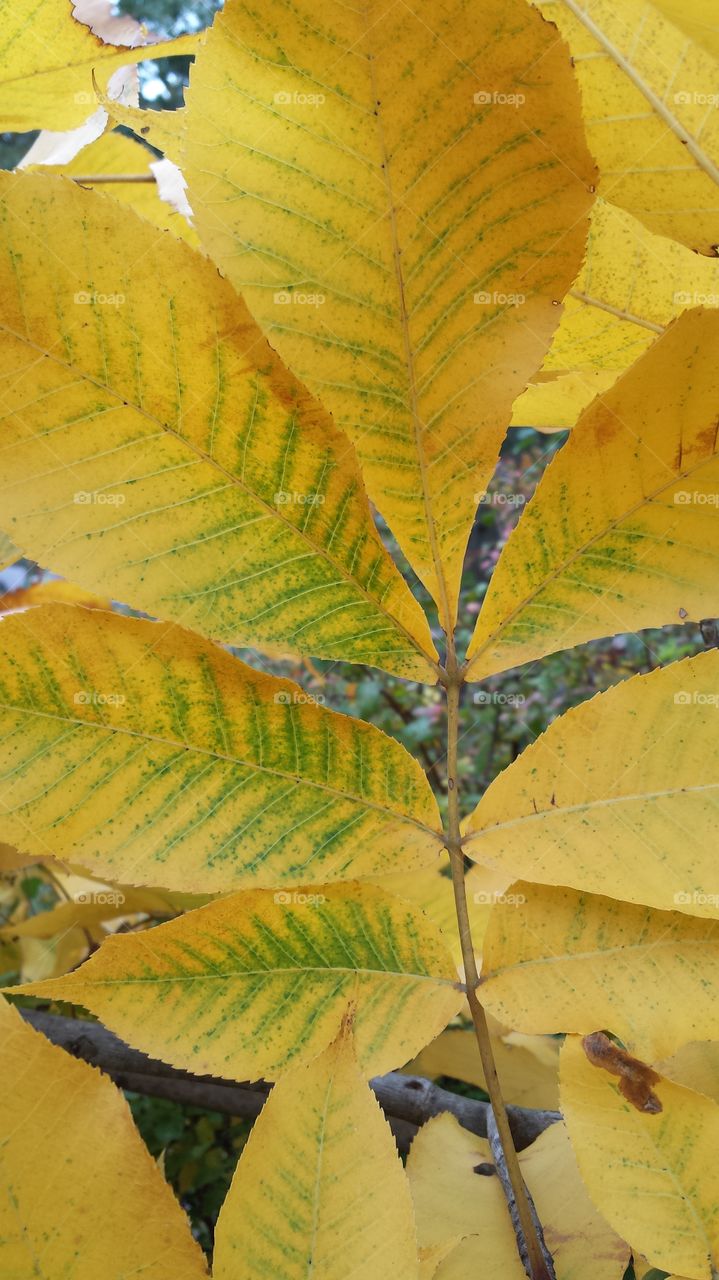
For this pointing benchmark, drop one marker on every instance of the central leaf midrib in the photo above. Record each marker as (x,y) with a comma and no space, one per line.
(445,610)
(588,805)
(268,973)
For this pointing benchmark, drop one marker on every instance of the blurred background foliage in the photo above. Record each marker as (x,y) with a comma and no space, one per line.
(199,1149)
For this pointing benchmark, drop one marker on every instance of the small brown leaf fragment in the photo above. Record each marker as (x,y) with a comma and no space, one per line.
(635,1077)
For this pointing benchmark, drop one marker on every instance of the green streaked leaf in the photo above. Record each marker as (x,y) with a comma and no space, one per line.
(152,756)
(256,982)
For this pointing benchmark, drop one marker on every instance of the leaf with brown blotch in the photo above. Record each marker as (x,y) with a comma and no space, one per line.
(635,1077)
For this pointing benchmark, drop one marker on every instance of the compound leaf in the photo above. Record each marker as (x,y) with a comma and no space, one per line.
(631,286)
(457,1194)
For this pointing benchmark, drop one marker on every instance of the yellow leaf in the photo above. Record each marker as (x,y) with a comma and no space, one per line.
(695,1065)
(430,1257)
(8,551)
(319,1189)
(182,470)
(51,591)
(400,196)
(167,761)
(559,960)
(48,59)
(432,889)
(89,908)
(527,1065)
(115,155)
(618,796)
(162,129)
(654,1177)
(555,403)
(12,860)
(631,285)
(697,18)
(648,95)
(81,1197)
(257,982)
(456,1193)
(621,533)
(45,958)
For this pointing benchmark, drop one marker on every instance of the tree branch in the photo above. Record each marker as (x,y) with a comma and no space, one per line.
(408,1101)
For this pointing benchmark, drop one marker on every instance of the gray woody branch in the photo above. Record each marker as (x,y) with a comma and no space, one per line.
(407,1101)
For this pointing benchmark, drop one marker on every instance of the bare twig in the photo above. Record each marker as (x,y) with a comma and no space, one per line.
(408,1101)
(500,1165)
(530,1245)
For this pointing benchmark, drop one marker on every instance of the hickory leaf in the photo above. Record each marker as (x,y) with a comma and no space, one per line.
(96,1204)
(631,286)
(384,249)
(399,194)
(115,155)
(559,960)
(698,18)
(639,472)
(319,1185)
(187,473)
(257,982)
(49,58)
(167,761)
(456,1194)
(647,98)
(671,1163)
(617,796)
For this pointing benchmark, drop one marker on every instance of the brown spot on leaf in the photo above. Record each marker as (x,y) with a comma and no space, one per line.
(635,1077)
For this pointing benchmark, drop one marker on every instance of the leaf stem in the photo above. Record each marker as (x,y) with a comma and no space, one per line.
(536,1261)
